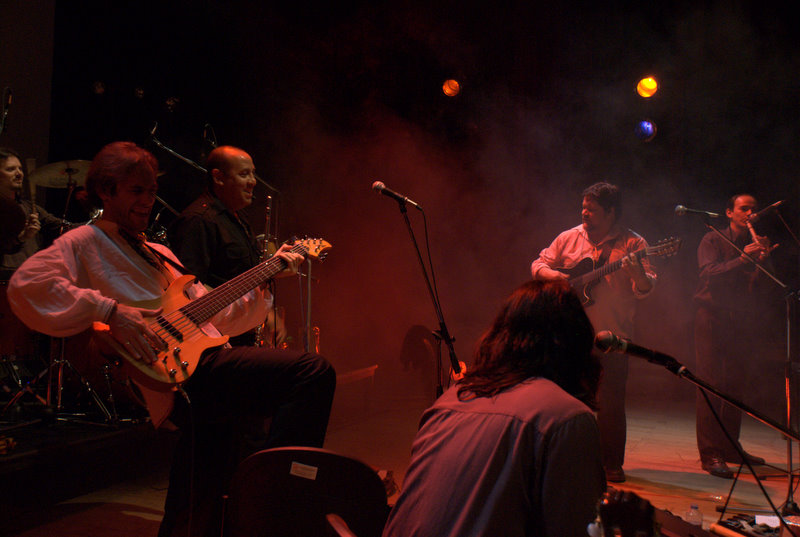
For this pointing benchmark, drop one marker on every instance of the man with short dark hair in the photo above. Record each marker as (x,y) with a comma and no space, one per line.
(102,273)
(610,300)
(729,324)
(513,448)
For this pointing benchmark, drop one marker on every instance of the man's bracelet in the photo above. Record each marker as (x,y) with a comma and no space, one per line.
(111,312)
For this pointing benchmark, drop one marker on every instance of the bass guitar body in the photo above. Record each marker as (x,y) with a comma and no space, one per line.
(181,341)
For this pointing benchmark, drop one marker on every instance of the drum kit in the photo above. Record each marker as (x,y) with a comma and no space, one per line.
(43,378)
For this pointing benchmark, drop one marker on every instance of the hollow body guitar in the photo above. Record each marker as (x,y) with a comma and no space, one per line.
(181,341)
(585,275)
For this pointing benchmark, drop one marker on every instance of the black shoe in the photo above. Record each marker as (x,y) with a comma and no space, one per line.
(752,459)
(615,475)
(716,466)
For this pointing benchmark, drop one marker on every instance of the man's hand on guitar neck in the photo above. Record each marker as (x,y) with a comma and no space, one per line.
(634,268)
(293,260)
(129,326)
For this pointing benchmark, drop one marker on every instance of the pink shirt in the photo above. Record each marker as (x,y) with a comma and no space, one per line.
(615,295)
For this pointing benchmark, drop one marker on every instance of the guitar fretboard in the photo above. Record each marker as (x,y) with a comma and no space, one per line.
(203,308)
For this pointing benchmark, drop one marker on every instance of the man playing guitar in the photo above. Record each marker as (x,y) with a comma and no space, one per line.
(601,239)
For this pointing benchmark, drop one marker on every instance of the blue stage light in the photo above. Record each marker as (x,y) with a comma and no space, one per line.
(645,130)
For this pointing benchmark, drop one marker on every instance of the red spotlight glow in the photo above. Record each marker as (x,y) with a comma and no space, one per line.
(451,88)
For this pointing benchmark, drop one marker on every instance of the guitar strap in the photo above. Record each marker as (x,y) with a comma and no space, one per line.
(153,257)
(605,254)
(180,268)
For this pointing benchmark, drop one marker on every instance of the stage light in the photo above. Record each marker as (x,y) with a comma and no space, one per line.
(647,87)
(645,130)
(451,87)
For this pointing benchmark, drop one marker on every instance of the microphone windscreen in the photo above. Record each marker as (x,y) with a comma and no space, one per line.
(605,340)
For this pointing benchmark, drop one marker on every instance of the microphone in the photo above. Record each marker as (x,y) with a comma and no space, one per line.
(8,96)
(681,210)
(763,212)
(609,342)
(207,127)
(378,186)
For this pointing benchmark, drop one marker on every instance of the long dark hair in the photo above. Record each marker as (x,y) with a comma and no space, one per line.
(540,331)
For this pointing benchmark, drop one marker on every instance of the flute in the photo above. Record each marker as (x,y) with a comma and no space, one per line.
(765,248)
(753,233)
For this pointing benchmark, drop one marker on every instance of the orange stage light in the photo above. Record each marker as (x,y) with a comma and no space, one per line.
(451,87)
(647,87)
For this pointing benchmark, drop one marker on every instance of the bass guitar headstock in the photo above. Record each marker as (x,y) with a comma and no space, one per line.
(314,248)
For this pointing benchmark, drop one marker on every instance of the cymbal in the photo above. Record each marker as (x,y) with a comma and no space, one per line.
(58,174)
(12,218)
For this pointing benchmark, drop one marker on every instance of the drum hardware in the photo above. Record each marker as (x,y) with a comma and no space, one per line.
(157,232)
(23,388)
(59,362)
(112,403)
(67,174)
(17,346)
(60,174)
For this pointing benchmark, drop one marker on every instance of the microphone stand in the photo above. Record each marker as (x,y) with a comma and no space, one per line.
(789,506)
(674,366)
(442,335)
(192,163)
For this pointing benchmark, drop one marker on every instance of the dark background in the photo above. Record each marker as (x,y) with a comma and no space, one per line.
(330,99)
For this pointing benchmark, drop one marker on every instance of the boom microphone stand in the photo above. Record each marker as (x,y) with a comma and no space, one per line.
(192,163)
(442,335)
(608,342)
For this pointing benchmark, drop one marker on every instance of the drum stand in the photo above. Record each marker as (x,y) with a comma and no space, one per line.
(58,363)
(22,388)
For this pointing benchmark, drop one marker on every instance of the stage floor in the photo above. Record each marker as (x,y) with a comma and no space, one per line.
(662,465)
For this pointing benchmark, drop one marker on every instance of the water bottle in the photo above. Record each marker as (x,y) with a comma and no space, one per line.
(693,515)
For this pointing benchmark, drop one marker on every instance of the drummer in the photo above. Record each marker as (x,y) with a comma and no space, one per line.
(26,227)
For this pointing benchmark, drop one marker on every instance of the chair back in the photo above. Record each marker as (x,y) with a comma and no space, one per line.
(289,492)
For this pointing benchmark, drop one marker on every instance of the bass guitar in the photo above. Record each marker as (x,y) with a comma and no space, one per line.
(585,275)
(181,341)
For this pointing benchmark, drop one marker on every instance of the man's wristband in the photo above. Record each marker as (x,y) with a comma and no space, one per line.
(111,312)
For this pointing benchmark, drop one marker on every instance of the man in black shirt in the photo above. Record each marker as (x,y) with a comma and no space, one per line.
(210,237)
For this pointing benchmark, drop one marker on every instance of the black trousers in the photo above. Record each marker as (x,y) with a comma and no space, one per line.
(231,391)
(726,349)
(611,416)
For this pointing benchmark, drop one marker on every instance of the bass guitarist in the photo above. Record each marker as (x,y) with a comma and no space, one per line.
(95,273)
(612,306)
